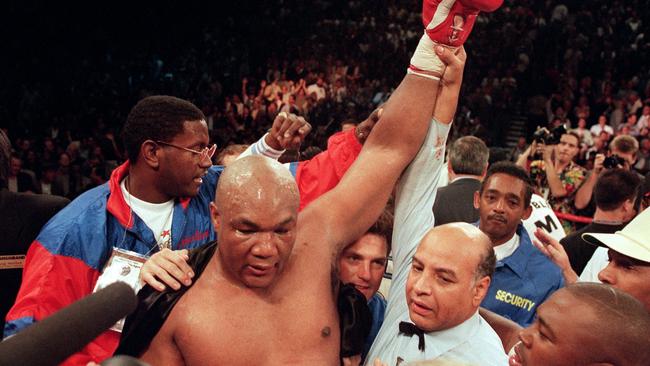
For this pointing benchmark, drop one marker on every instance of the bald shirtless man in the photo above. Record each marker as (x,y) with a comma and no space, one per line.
(267,295)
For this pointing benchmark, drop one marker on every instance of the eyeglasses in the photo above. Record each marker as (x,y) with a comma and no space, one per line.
(206,152)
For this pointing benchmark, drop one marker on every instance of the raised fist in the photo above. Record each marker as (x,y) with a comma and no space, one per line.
(287,132)
(449,22)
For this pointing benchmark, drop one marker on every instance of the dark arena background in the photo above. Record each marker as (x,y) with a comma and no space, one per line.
(79,68)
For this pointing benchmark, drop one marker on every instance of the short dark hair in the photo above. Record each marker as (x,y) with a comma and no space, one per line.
(575,135)
(468,155)
(158,117)
(513,170)
(614,187)
(5,159)
(622,326)
(384,227)
(488,263)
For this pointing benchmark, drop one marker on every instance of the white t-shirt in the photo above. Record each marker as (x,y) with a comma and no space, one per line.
(506,249)
(319,90)
(157,216)
(597,263)
(597,129)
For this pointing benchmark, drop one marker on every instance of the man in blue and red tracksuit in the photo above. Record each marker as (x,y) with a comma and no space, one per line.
(165,187)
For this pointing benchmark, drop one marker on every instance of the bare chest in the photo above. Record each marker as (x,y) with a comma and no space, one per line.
(237,328)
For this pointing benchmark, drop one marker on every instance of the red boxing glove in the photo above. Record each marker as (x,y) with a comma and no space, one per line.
(487,6)
(449,22)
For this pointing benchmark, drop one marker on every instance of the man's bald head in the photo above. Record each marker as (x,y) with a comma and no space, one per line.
(255,215)
(473,242)
(255,179)
(449,277)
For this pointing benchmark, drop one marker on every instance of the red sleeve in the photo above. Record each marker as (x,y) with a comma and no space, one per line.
(50,283)
(325,170)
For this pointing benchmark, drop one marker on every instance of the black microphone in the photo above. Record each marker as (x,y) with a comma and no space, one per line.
(122,360)
(55,338)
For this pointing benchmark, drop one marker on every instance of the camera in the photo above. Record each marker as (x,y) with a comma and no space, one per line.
(552,137)
(613,162)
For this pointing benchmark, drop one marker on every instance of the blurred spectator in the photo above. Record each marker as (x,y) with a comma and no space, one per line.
(23,215)
(617,115)
(47,178)
(644,120)
(601,126)
(65,184)
(557,177)
(622,154)
(318,89)
(19,179)
(615,195)
(467,165)
(586,139)
(518,149)
(643,157)
(599,147)
(634,103)
(629,127)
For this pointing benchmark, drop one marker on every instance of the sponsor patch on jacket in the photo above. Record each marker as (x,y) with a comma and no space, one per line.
(12,261)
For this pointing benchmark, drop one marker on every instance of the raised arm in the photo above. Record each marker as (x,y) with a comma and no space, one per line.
(416,188)
(584,193)
(287,131)
(362,193)
(553,179)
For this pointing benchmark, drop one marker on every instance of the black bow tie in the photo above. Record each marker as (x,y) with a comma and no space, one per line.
(410,329)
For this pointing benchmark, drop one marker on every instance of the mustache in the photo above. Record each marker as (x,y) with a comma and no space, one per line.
(497,217)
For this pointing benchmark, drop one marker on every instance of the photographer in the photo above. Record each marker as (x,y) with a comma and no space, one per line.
(549,162)
(622,154)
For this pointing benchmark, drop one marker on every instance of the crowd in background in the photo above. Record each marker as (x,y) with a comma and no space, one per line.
(557,88)
(331,61)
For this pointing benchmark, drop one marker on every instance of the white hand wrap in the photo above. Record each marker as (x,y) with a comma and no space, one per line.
(425,62)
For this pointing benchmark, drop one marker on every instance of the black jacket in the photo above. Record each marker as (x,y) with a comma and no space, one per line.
(455,202)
